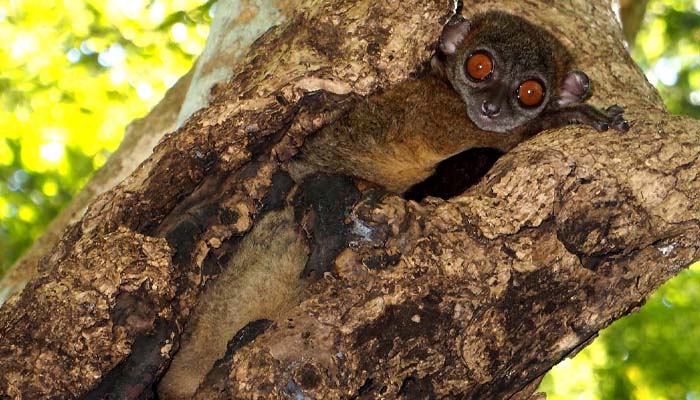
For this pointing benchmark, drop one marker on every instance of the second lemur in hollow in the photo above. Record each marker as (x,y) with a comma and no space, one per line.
(515,79)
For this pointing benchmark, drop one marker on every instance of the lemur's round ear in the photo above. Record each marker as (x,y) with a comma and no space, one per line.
(453,33)
(575,88)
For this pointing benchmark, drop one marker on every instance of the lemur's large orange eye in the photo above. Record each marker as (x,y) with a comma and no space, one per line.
(479,66)
(531,93)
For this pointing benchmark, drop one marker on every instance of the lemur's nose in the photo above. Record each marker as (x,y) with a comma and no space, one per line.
(490,109)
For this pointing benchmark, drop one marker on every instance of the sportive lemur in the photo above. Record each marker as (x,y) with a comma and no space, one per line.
(497,80)
(515,79)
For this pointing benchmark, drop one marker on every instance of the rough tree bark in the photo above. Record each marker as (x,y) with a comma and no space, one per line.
(476,296)
(236,26)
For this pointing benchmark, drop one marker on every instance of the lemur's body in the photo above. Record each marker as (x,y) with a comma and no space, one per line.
(515,80)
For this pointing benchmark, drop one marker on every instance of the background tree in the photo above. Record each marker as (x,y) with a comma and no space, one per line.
(19,178)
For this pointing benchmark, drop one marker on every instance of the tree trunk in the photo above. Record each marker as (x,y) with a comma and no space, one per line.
(218,62)
(632,14)
(476,296)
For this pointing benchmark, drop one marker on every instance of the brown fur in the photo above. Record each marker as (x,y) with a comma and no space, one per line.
(268,264)
(396,139)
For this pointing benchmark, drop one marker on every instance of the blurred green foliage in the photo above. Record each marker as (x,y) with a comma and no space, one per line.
(653,354)
(668,50)
(650,355)
(75,72)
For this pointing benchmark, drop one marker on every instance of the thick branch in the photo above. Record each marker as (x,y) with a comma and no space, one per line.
(473,297)
(565,235)
(202,189)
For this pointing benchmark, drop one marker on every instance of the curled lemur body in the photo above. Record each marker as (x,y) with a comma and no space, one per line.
(515,80)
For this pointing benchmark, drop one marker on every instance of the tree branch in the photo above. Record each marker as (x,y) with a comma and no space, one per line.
(473,297)
(566,234)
